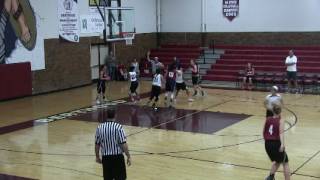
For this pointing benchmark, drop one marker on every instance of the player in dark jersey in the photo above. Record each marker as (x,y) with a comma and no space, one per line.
(133,84)
(101,86)
(273,134)
(195,78)
(170,84)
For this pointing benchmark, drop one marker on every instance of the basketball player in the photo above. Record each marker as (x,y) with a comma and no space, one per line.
(156,88)
(273,133)
(180,84)
(195,78)
(170,84)
(271,100)
(134,84)
(101,86)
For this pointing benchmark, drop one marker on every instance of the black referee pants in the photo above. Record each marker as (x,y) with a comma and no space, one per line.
(114,167)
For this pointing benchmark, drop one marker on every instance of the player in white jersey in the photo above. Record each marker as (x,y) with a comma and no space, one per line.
(156,88)
(271,100)
(180,84)
(134,84)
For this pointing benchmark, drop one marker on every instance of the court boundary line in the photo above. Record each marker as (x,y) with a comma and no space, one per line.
(32,123)
(235,165)
(175,119)
(224,146)
(56,167)
(307,161)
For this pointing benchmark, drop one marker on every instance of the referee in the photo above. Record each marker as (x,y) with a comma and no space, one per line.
(110,139)
(272,99)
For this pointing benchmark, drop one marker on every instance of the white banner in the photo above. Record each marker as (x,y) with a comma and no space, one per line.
(91,23)
(68,20)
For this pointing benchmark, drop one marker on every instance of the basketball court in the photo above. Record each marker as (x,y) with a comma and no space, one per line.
(218,136)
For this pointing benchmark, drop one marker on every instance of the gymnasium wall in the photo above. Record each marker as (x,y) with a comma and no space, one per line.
(260,22)
(67,65)
(254,16)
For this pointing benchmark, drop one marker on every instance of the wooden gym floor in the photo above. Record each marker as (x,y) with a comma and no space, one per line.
(215,137)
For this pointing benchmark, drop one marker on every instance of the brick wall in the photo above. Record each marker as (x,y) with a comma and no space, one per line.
(141,44)
(245,38)
(68,64)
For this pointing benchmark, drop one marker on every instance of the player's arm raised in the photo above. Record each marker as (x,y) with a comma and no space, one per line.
(148,56)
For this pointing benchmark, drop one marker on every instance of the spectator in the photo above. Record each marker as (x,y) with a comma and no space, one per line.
(248,79)
(291,63)
(111,64)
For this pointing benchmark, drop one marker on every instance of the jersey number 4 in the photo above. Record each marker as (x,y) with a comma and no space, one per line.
(271,129)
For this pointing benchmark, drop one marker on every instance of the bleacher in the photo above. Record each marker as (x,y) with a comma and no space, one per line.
(184,53)
(269,64)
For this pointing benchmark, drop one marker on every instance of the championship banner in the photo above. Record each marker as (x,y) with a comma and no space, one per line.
(68,20)
(91,23)
(230,9)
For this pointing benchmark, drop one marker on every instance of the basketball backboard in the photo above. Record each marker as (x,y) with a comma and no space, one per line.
(121,20)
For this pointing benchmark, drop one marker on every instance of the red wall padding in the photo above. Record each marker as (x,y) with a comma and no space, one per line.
(15,80)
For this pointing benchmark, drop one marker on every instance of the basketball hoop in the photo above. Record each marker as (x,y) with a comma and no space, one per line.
(128,37)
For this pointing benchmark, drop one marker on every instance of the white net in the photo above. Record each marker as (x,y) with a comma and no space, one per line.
(129,38)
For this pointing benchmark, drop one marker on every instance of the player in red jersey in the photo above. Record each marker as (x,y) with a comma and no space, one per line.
(273,134)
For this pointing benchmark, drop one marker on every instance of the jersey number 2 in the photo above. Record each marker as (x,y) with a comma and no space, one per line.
(271,129)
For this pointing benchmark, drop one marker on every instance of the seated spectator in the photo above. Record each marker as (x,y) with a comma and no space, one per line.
(248,78)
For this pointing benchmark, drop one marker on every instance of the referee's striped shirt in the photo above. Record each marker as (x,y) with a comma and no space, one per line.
(110,135)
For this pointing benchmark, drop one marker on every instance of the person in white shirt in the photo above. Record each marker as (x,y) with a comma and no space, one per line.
(180,84)
(291,63)
(271,100)
(156,88)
